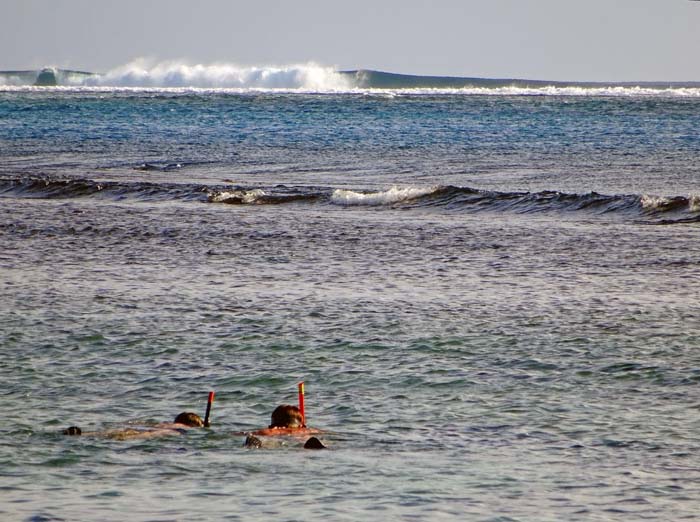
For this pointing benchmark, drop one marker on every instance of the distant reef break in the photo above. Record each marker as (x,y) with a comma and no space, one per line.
(354,79)
(46,77)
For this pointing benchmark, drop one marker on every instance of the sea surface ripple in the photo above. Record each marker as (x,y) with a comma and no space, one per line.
(492,301)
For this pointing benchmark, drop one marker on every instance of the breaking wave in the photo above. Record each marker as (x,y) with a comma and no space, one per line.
(237,196)
(663,204)
(667,210)
(387,197)
(176,76)
(308,77)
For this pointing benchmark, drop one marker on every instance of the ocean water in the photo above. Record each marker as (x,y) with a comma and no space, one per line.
(491,294)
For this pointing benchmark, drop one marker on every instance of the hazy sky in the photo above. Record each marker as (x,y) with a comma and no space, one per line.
(539,39)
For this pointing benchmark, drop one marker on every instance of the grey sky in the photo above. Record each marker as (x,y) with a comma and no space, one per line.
(611,40)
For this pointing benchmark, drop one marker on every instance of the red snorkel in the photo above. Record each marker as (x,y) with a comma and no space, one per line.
(301,404)
(206,415)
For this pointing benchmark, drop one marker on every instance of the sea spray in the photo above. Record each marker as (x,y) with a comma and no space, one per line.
(140,73)
(174,76)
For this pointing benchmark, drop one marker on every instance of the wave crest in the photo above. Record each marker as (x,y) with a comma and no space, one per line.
(387,197)
(244,197)
(673,209)
(143,74)
(140,73)
(661,203)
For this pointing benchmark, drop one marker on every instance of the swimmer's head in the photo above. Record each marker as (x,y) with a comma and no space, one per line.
(189,419)
(287,416)
(73,430)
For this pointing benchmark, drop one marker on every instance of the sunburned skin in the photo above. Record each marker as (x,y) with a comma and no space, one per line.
(287,421)
(134,434)
(277,431)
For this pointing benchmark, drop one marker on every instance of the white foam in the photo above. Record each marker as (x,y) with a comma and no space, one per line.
(244,196)
(654,202)
(290,80)
(10,80)
(141,73)
(393,195)
(694,202)
(610,91)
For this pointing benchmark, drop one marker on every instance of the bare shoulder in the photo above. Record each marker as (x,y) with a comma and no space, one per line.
(277,432)
(132,434)
(172,426)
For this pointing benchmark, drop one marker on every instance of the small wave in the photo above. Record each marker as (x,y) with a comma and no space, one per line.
(666,204)
(263,197)
(165,167)
(52,188)
(388,197)
(665,209)
(679,207)
(694,202)
(244,197)
(49,188)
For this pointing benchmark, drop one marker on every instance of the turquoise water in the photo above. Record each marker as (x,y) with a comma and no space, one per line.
(492,301)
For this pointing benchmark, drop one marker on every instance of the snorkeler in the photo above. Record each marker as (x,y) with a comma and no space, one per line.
(287,420)
(184,421)
(179,426)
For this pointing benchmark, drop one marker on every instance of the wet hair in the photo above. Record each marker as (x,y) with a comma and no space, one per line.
(189,419)
(73,430)
(287,416)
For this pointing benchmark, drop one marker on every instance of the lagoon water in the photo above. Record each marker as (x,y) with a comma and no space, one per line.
(492,297)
